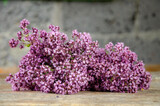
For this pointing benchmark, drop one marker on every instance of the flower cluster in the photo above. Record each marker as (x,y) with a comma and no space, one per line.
(55,64)
(118,70)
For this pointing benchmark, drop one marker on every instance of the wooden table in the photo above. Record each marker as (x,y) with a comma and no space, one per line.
(87,98)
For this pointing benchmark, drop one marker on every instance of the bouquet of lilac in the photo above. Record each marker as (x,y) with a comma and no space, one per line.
(55,64)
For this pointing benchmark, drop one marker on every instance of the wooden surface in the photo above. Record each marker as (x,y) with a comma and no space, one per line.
(87,98)
(152,67)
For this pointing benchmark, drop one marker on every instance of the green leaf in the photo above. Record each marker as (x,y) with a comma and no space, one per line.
(51,58)
(111,79)
(70,53)
(65,67)
(72,58)
(22,40)
(28,45)
(89,56)
(52,70)
(107,52)
(27,35)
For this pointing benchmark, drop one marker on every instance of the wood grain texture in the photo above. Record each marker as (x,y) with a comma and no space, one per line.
(152,67)
(6,70)
(85,98)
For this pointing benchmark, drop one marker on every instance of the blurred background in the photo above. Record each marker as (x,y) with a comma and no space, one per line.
(134,22)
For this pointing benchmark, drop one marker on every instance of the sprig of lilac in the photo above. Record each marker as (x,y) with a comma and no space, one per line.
(58,65)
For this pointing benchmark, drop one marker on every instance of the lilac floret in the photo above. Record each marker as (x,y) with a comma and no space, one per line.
(13,43)
(24,23)
(19,35)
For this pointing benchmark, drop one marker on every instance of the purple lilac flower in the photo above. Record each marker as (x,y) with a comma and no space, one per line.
(43,34)
(19,35)
(24,23)
(13,43)
(21,46)
(26,31)
(119,70)
(55,64)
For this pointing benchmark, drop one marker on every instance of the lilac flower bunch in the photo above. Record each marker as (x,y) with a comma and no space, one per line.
(55,64)
(117,69)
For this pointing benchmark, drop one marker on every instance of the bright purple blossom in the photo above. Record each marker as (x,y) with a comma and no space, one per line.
(26,31)
(54,28)
(24,23)
(21,46)
(55,64)
(19,35)
(34,30)
(43,34)
(13,43)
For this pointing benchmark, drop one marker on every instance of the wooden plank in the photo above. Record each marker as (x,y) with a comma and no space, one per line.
(8,70)
(152,67)
(85,98)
